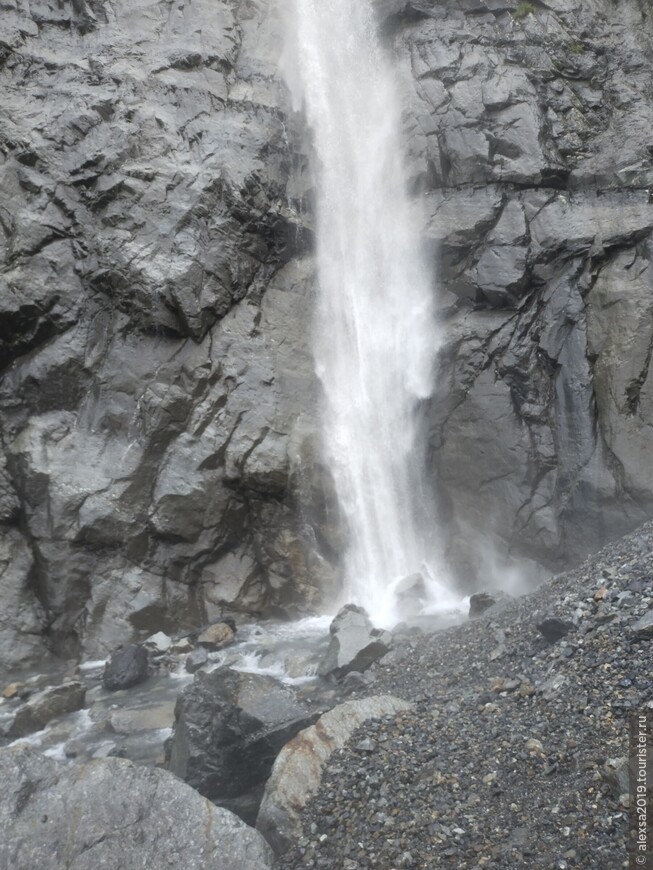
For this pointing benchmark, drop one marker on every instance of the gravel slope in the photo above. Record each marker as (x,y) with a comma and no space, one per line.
(508,758)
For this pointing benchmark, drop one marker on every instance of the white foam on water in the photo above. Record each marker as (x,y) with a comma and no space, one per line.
(93,666)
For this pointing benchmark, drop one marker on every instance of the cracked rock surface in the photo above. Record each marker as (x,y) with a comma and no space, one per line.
(158,455)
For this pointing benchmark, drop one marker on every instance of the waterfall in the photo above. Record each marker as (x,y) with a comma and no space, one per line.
(375,331)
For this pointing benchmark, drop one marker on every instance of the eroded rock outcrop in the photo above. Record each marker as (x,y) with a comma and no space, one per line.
(530,138)
(153,333)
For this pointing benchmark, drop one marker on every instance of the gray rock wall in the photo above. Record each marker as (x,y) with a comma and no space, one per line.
(530,138)
(153,313)
(159,457)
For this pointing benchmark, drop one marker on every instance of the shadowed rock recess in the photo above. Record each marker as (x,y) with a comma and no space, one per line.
(158,461)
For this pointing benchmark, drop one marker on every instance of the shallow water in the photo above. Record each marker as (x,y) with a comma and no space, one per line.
(135,723)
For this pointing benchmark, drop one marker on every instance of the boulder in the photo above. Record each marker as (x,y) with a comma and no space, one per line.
(196,660)
(298,769)
(643,628)
(158,643)
(44,706)
(112,813)
(217,636)
(410,594)
(127,667)
(355,644)
(554,629)
(229,728)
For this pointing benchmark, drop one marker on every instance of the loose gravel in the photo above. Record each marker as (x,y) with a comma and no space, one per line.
(515,753)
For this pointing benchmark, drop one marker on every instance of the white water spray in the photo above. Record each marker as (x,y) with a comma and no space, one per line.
(375,330)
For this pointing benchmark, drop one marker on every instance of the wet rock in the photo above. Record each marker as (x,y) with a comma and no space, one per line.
(410,594)
(112,813)
(298,769)
(355,644)
(147,718)
(196,660)
(12,690)
(554,629)
(44,706)
(228,729)
(643,628)
(144,490)
(125,668)
(217,636)
(480,602)
(183,645)
(158,643)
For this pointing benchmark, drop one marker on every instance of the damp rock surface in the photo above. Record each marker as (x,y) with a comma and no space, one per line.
(355,644)
(126,667)
(228,729)
(42,707)
(157,295)
(509,759)
(112,813)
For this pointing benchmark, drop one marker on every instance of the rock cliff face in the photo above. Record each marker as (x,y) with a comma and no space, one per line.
(159,455)
(531,137)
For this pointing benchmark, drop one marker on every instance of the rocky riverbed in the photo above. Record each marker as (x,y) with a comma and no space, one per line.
(500,742)
(514,752)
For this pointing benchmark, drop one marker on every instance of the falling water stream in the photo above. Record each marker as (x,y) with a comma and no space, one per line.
(375,335)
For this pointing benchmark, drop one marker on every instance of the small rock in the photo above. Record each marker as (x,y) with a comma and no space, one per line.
(152,718)
(554,629)
(366,745)
(217,636)
(643,628)
(617,774)
(196,660)
(413,585)
(159,643)
(11,690)
(533,745)
(126,667)
(183,645)
(498,652)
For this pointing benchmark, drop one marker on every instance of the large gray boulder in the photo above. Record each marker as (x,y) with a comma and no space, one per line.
(229,727)
(126,667)
(355,644)
(111,813)
(298,770)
